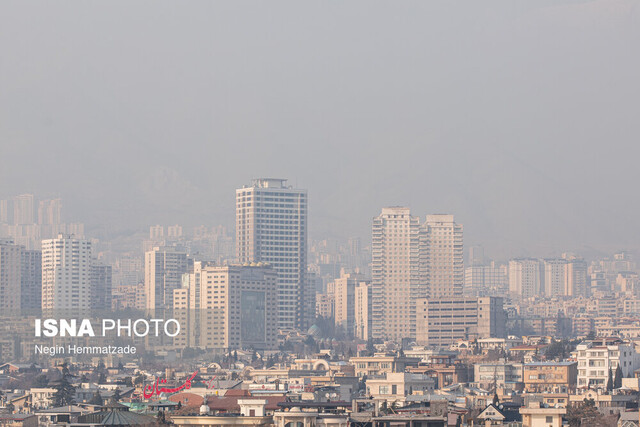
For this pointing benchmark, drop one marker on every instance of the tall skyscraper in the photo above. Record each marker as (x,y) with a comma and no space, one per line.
(576,283)
(4,211)
(344,302)
(271,227)
(396,281)
(31,279)
(555,271)
(66,273)
(10,276)
(23,209)
(50,212)
(411,260)
(101,286)
(163,270)
(227,307)
(362,311)
(525,277)
(444,256)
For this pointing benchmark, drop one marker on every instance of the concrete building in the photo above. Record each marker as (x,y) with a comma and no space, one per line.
(395,387)
(537,415)
(576,280)
(344,291)
(597,357)
(271,227)
(555,271)
(163,270)
(444,321)
(50,212)
(525,277)
(444,256)
(324,305)
(486,280)
(31,281)
(503,375)
(66,273)
(550,377)
(10,276)
(397,279)
(23,209)
(101,286)
(229,307)
(362,311)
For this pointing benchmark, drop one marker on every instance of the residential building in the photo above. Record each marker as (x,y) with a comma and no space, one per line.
(597,357)
(66,273)
(10,276)
(163,270)
(344,291)
(397,279)
(444,256)
(101,286)
(362,311)
(444,321)
(271,227)
(227,307)
(552,377)
(396,386)
(525,277)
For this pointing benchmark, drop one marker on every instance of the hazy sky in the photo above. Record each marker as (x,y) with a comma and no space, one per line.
(520,117)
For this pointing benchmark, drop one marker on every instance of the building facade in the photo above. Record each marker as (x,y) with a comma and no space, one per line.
(271,227)
(444,321)
(66,273)
(229,307)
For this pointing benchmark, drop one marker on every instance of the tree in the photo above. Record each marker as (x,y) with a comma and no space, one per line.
(591,335)
(96,399)
(617,381)
(41,381)
(102,379)
(610,380)
(116,395)
(584,414)
(64,393)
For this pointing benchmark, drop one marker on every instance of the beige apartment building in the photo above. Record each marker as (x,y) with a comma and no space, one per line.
(410,261)
(444,321)
(227,307)
(363,311)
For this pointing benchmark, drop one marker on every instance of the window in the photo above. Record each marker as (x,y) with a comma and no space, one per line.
(549,419)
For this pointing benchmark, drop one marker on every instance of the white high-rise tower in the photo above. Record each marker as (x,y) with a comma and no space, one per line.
(271,227)
(66,273)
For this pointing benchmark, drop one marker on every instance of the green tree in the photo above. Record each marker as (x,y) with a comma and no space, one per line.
(64,393)
(96,399)
(610,380)
(41,381)
(591,335)
(617,381)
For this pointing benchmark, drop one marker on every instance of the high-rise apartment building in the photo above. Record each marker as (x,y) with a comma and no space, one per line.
(444,256)
(486,280)
(396,281)
(50,212)
(66,273)
(345,302)
(444,321)
(525,277)
(163,270)
(411,260)
(576,281)
(229,307)
(101,286)
(555,272)
(4,211)
(23,209)
(271,227)
(31,280)
(10,276)
(362,311)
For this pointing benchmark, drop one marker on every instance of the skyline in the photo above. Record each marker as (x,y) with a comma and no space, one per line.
(518,118)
